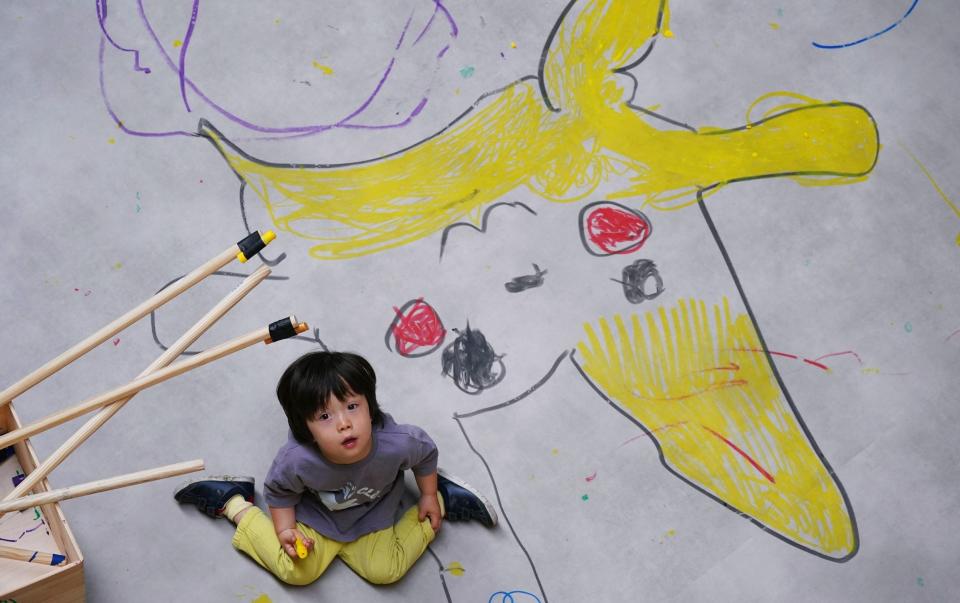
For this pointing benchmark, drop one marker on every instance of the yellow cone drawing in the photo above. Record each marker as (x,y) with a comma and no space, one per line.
(697,380)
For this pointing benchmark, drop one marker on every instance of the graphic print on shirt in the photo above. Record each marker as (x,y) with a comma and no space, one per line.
(347,496)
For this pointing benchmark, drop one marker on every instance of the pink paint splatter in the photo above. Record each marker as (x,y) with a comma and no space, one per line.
(116,342)
(590,478)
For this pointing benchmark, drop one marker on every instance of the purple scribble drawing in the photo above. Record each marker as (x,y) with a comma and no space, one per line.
(183,50)
(273,133)
(102,18)
(24,533)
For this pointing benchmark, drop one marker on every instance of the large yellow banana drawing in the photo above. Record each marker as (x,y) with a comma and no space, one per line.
(698,381)
(561,134)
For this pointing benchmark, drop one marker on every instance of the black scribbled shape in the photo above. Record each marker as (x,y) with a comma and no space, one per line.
(153,315)
(471,362)
(528,281)
(483,221)
(635,277)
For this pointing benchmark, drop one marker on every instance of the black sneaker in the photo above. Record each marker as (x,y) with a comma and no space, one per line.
(463,502)
(210,494)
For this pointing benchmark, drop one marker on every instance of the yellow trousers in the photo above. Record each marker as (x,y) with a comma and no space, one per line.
(380,557)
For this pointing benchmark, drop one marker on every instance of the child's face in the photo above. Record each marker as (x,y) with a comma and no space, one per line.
(343,429)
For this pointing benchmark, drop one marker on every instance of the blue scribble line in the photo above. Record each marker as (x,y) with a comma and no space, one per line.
(25,532)
(507,597)
(879,33)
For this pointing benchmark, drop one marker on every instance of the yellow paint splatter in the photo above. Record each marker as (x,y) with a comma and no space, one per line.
(870,371)
(562,138)
(671,533)
(177,43)
(554,452)
(929,176)
(325,69)
(513,44)
(118,266)
(276,21)
(774,26)
(111,140)
(455,568)
(691,375)
(653,107)
(263,598)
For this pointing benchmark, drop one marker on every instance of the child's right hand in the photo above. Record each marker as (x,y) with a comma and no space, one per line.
(288,540)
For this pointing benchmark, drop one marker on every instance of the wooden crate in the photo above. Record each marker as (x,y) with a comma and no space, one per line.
(42,528)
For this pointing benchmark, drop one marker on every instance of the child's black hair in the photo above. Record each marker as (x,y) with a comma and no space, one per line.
(306,385)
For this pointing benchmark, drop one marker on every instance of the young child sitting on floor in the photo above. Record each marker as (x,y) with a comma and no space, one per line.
(337,484)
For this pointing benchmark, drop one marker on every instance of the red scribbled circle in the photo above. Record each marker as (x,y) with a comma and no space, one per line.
(416,330)
(609,228)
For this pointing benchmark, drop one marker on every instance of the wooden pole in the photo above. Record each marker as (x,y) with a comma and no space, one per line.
(124,391)
(185,341)
(9,552)
(162,297)
(102,485)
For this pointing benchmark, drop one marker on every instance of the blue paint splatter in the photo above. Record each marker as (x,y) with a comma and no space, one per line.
(467,72)
(870,37)
(919,581)
(908,327)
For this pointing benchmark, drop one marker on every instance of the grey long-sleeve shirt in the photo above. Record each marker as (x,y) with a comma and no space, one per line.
(344,502)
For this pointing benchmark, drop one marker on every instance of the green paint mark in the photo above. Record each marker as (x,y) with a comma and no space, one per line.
(919,581)
(908,327)
(37,511)
(467,72)
(585,497)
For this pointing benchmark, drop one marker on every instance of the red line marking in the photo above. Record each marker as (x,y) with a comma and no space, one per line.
(733,366)
(817,364)
(652,431)
(794,356)
(743,454)
(848,352)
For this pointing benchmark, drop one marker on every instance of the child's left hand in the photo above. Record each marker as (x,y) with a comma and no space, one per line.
(430,507)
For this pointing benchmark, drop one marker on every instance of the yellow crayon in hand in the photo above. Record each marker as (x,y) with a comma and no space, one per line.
(301,549)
